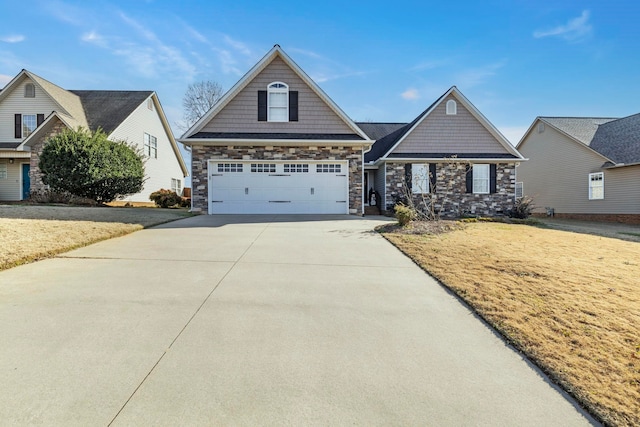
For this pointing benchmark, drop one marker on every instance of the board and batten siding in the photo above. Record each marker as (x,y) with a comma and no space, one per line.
(557,176)
(379,183)
(241,113)
(16,103)
(455,133)
(160,170)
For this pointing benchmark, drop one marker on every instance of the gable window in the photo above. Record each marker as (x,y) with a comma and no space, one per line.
(150,146)
(278,102)
(452,107)
(3,171)
(29,90)
(29,123)
(596,186)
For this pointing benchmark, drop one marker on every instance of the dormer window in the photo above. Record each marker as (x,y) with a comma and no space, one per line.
(29,90)
(452,107)
(278,102)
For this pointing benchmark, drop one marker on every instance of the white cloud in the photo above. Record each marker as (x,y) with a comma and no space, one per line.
(237,45)
(430,64)
(476,76)
(13,38)
(94,38)
(410,94)
(4,79)
(575,29)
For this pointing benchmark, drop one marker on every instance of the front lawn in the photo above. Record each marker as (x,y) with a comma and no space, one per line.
(29,233)
(570,302)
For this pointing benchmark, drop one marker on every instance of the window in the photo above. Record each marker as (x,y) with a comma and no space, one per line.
(519,189)
(540,127)
(297,168)
(29,124)
(229,167)
(596,186)
(278,102)
(263,167)
(419,178)
(3,171)
(150,146)
(328,168)
(481,179)
(150,104)
(176,186)
(29,90)
(452,107)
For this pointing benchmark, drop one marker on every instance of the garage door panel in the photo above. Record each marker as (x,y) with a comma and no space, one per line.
(293,188)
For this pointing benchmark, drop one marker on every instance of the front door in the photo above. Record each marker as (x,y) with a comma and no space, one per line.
(26,181)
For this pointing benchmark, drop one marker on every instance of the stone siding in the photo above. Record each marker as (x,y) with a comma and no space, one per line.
(200,155)
(451,198)
(35,174)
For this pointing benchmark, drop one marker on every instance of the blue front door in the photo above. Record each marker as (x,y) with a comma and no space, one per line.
(26,182)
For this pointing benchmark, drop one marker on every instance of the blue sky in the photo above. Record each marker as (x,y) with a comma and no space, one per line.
(379,61)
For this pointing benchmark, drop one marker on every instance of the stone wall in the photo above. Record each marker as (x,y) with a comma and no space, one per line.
(35,174)
(200,155)
(450,198)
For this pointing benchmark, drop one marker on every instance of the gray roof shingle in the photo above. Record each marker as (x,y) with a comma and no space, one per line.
(581,128)
(267,135)
(619,140)
(379,130)
(108,108)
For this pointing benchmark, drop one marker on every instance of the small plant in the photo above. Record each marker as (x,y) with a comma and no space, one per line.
(167,199)
(521,208)
(404,214)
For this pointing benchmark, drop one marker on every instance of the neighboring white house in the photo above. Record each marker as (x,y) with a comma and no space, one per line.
(32,109)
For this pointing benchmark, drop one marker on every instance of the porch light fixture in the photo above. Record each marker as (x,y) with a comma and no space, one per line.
(11,161)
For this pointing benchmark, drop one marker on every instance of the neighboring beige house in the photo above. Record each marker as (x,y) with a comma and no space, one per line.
(583,167)
(276,143)
(32,109)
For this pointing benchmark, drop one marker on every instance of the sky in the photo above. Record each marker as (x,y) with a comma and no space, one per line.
(379,61)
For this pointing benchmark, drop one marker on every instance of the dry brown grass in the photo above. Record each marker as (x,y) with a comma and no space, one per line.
(29,233)
(570,302)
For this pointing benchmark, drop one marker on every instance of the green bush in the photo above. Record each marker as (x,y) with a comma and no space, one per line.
(404,214)
(167,199)
(88,165)
(59,197)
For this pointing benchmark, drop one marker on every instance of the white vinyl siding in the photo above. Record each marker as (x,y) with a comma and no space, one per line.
(481,179)
(596,186)
(10,185)
(159,171)
(419,178)
(16,103)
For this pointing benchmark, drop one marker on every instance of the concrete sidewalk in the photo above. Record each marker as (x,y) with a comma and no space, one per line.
(256,320)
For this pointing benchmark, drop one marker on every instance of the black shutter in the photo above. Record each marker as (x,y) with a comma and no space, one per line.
(469,176)
(492,178)
(40,119)
(407,175)
(293,105)
(18,123)
(262,105)
(432,177)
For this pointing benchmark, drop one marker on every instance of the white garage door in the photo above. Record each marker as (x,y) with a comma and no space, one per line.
(260,187)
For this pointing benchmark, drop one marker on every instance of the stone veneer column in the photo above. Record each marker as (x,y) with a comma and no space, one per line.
(200,155)
(35,174)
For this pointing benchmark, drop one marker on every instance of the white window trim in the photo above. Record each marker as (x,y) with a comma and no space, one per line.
(452,107)
(35,122)
(4,171)
(150,145)
(176,186)
(32,94)
(600,185)
(281,90)
(478,166)
(520,187)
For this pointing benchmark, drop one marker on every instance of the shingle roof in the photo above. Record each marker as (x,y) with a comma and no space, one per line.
(581,128)
(247,135)
(619,140)
(108,108)
(448,155)
(379,130)
(9,145)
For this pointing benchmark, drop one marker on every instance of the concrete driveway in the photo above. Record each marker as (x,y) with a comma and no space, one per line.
(256,320)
